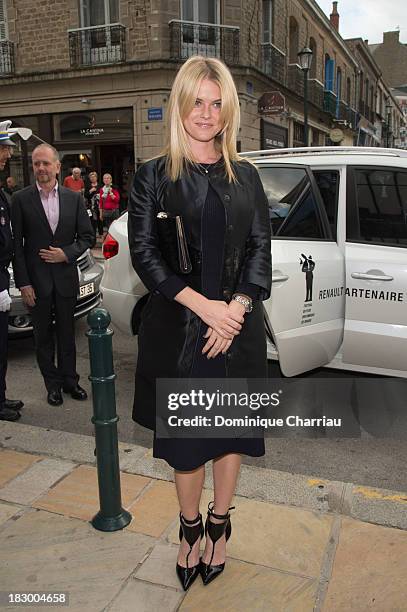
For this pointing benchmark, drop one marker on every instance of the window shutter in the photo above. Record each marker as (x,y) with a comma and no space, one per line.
(3,31)
(329,75)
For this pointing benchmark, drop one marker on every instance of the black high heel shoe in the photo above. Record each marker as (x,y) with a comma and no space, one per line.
(191,533)
(215,530)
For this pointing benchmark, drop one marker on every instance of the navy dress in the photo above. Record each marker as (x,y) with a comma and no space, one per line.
(188,454)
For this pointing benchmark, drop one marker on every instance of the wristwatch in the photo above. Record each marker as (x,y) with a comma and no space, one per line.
(243,299)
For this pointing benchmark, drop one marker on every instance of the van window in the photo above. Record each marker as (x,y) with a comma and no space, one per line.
(292,206)
(381,198)
(328,184)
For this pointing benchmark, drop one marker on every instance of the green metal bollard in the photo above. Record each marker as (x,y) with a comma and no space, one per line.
(111,515)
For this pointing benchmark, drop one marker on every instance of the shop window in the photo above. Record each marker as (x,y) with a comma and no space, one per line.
(96,126)
(298,135)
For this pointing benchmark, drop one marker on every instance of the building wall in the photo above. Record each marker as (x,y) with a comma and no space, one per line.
(145,80)
(311,27)
(391,56)
(42,49)
(39,31)
(361,53)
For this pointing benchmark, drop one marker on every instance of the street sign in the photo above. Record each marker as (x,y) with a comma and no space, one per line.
(271,103)
(155,114)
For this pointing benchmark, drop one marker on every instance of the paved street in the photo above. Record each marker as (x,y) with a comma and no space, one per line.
(288,550)
(365,461)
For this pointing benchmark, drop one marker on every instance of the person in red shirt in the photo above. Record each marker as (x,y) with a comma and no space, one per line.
(74,182)
(109,201)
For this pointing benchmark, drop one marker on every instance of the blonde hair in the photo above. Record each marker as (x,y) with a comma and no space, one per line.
(181,102)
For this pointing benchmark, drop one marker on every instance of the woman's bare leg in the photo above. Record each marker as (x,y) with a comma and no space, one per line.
(225,475)
(189,488)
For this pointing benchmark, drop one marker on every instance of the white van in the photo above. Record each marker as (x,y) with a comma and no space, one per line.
(339,260)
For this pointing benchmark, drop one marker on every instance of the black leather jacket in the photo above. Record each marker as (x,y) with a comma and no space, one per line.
(247,255)
(168,331)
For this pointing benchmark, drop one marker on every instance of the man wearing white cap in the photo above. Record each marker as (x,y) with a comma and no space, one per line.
(9,409)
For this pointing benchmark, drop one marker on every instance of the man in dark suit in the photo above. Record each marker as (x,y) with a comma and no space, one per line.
(51,230)
(9,409)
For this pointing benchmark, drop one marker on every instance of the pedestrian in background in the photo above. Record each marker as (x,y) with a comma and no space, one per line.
(51,230)
(75,182)
(109,201)
(11,185)
(92,198)
(9,409)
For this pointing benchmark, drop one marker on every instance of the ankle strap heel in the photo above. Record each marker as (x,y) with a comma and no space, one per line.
(215,532)
(191,530)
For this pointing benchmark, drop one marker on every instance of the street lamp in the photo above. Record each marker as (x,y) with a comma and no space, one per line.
(389,108)
(305,60)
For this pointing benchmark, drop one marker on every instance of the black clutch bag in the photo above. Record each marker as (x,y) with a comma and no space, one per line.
(173,244)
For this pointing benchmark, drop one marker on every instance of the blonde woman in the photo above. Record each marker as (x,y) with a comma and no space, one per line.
(207,323)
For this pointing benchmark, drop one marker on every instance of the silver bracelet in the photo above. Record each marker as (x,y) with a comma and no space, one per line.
(244,300)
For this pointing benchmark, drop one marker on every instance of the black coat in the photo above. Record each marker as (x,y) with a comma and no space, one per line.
(168,330)
(32,232)
(6,242)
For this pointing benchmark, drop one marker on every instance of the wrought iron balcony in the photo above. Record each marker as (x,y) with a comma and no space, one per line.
(193,38)
(295,79)
(273,62)
(330,103)
(6,58)
(97,45)
(316,93)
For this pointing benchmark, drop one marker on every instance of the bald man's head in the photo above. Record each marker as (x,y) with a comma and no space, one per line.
(53,150)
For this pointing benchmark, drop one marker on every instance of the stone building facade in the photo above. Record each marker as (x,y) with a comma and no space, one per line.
(93,78)
(367,92)
(391,56)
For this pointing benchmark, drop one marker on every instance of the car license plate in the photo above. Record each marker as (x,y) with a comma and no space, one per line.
(85,290)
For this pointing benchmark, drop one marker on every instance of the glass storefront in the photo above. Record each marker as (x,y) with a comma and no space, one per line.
(100,140)
(94,126)
(273,136)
